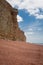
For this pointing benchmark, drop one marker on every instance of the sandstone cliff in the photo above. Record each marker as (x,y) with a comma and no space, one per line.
(8,23)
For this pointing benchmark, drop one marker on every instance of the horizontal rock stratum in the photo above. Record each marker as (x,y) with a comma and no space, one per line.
(8,23)
(20,53)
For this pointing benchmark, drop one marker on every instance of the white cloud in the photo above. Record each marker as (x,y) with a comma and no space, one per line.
(39,16)
(19,18)
(34,33)
(34,38)
(30,33)
(35,26)
(30,29)
(32,6)
(39,29)
(14,2)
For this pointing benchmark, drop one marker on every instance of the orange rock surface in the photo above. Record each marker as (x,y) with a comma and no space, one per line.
(20,53)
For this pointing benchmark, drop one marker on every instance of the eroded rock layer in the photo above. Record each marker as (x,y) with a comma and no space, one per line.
(20,53)
(8,23)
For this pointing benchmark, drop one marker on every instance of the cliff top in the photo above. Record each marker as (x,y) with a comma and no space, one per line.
(8,6)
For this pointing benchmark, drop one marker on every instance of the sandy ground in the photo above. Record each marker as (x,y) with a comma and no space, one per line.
(20,53)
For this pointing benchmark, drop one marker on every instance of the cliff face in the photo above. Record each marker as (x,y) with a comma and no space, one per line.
(8,23)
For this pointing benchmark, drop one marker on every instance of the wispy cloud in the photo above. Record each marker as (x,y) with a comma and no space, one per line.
(35,26)
(34,32)
(14,2)
(34,37)
(39,16)
(29,33)
(31,6)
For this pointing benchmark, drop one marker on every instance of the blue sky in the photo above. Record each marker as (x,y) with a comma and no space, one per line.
(30,18)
